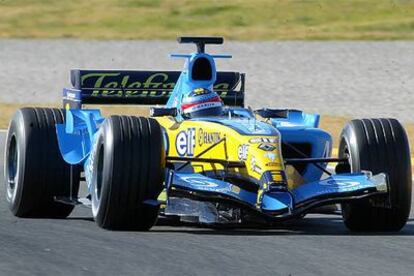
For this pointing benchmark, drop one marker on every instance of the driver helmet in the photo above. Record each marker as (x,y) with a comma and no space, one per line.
(201,102)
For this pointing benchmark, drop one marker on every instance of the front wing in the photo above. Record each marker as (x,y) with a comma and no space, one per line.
(280,204)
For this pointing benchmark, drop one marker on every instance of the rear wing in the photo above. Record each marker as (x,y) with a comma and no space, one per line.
(140,87)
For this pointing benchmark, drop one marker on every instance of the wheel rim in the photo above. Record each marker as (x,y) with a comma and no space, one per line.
(98,179)
(99,172)
(345,152)
(12,168)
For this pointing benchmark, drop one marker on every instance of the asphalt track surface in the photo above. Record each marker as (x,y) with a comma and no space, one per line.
(316,245)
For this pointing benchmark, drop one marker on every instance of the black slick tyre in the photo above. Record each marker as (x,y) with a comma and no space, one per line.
(128,162)
(35,172)
(379,146)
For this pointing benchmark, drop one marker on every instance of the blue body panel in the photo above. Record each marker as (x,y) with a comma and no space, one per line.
(302,128)
(321,146)
(186,83)
(244,126)
(76,136)
(297,118)
(279,202)
(333,185)
(204,184)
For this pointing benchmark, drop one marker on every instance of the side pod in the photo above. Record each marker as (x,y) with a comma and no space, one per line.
(75,137)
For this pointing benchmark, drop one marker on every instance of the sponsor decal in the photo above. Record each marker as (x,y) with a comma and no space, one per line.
(235,189)
(200,182)
(201,106)
(205,137)
(267,147)
(185,142)
(339,183)
(253,165)
(91,162)
(271,156)
(259,140)
(242,152)
(71,96)
(155,85)
(200,91)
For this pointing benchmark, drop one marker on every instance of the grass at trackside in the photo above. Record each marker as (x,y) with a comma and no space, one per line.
(234,19)
(332,124)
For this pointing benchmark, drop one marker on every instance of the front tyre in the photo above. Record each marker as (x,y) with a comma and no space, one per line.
(379,146)
(128,162)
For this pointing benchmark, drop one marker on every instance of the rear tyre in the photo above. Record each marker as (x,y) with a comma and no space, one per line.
(378,145)
(35,172)
(128,162)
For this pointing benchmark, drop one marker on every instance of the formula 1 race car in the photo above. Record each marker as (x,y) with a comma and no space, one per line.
(201,156)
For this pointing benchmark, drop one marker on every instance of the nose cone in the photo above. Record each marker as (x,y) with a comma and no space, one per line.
(265,156)
(277,202)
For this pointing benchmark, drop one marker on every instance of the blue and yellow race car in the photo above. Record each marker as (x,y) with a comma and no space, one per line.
(201,156)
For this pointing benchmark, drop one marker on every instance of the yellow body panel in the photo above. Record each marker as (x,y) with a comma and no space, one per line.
(191,138)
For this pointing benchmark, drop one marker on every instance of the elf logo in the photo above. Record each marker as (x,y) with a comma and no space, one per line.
(242,152)
(185,142)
